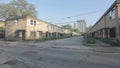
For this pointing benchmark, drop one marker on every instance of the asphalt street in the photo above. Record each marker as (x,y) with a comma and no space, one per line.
(62,53)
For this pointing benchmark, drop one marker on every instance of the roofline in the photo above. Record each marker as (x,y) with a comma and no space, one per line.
(15,18)
(2,21)
(111,7)
(44,21)
(21,17)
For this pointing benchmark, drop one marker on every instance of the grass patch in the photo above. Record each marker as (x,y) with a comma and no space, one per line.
(90,40)
(49,38)
(112,42)
(2,28)
(45,39)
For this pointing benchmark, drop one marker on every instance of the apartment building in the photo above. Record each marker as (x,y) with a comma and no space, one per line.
(81,25)
(108,26)
(2,26)
(26,27)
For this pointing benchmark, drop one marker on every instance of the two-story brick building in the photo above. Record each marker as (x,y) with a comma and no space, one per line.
(26,27)
(108,26)
(2,27)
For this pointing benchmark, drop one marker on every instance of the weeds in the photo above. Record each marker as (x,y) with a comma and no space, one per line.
(90,40)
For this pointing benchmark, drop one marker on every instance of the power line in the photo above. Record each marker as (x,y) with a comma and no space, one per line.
(82,14)
(66,22)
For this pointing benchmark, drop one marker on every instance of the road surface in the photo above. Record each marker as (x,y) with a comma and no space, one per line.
(63,53)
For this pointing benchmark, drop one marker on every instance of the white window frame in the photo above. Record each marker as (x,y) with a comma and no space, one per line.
(16,22)
(31,22)
(112,14)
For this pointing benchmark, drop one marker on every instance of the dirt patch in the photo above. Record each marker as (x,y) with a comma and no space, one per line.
(14,63)
(29,53)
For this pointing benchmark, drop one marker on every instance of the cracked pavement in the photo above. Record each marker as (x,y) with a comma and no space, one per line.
(62,53)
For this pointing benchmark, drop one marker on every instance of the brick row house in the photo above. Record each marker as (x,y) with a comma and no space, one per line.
(26,28)
(108,26)
(2,31)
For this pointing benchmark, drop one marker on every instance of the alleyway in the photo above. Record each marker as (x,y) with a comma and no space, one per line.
(63,53)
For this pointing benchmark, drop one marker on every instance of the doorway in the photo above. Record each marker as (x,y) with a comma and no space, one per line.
(20,34)
(112,32)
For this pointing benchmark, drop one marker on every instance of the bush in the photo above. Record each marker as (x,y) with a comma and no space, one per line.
(49,38)
(90,40)
(113,42)
(46,39)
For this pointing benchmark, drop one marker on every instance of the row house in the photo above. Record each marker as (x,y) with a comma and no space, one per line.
(108,26)
(26,28)
(2,26)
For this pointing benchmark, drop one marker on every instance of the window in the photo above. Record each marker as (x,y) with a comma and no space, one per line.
(51,27)
(119,30)
(47,25)
(34,22)
(112,14)
(33,33)
(16,22)
(31,22)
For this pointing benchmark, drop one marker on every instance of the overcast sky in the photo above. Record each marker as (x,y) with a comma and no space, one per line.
(64,11)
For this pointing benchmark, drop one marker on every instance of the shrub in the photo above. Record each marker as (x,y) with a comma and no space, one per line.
(90,40)
(113,42)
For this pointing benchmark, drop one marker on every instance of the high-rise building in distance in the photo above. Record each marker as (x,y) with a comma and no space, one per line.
(81,25)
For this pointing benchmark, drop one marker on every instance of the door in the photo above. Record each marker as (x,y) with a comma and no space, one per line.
(20,35)
(112,32)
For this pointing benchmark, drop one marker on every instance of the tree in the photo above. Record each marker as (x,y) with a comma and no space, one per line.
(17,8)
(76,30)
(68,26)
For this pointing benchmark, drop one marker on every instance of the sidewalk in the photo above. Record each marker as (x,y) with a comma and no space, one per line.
(102,47)
(99,43)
